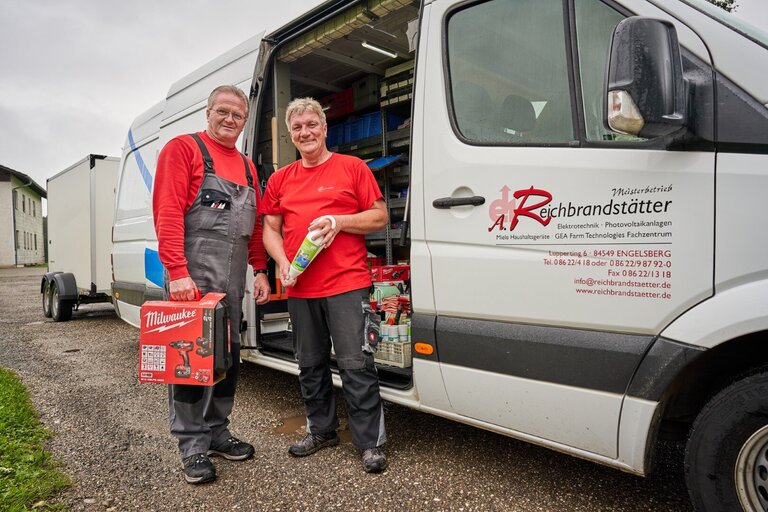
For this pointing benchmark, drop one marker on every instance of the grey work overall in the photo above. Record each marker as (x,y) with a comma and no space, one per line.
(217,229)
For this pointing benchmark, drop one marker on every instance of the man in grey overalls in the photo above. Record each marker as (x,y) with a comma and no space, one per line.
(204,205)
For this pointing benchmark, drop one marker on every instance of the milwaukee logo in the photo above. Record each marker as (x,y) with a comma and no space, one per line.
(165,321)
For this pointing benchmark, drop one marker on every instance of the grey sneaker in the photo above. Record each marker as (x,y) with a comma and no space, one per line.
(374,460)
(198,469)
(232,449)
(312,443)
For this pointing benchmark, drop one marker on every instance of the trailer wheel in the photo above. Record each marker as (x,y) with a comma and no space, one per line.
(726,458)
(47,299)
(61,310)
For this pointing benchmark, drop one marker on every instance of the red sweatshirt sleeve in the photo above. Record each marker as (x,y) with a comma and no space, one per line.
(171,198)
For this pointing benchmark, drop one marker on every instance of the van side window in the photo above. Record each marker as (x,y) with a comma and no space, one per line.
(509,73)
(595,22)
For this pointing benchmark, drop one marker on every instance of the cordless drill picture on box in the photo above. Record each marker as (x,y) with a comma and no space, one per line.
(183,370)
(167,353)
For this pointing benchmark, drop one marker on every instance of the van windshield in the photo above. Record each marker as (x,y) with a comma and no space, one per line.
(756,34)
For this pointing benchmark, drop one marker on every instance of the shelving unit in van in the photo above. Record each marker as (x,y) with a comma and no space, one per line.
(367,101)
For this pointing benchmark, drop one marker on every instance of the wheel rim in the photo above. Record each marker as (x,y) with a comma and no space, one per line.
(752,472)
(55,302)
(47,299)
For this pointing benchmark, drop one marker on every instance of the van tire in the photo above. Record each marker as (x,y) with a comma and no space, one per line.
(726,457)
(47,299)
(61,310)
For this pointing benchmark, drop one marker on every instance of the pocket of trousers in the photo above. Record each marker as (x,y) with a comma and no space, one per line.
(371,328)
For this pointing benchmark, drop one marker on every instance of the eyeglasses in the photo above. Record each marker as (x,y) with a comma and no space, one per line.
(226,113)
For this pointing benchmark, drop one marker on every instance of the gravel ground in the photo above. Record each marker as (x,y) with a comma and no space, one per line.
(111,434)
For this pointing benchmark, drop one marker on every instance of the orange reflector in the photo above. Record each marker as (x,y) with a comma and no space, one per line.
(424,348)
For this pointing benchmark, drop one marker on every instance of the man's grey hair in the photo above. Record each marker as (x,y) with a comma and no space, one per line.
(232,89)
(302,105)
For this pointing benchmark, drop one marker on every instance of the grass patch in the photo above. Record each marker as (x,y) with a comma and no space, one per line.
(28,475)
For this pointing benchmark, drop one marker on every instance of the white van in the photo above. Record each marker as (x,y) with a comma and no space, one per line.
(575,188)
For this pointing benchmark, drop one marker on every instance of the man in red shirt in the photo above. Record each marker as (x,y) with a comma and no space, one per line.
(338,195)
(204,204)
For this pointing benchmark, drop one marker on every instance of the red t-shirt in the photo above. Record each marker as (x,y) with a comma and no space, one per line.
(342,185)
(177,181)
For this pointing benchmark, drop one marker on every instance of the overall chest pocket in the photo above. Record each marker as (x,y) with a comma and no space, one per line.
(247,219)
(215,211)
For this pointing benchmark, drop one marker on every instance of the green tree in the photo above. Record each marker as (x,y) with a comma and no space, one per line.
(728,5)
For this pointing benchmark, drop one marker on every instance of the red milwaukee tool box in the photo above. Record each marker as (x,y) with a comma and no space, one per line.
(390,273)
(184,342)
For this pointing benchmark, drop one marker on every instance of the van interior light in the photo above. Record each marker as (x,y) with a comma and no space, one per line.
(382,51)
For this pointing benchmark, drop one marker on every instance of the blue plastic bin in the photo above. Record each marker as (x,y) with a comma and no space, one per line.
(369,125)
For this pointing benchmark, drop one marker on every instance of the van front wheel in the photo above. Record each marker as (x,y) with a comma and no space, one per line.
(726,458)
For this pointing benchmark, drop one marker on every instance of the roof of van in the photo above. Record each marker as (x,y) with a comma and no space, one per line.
(146,125)
(310,17)
(244,48)
(234,67)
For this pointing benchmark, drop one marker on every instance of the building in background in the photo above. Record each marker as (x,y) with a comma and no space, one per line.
(22,239)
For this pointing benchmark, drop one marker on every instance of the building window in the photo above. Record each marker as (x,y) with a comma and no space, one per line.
(18,240)
(35,241)
(34,209)
(23,203)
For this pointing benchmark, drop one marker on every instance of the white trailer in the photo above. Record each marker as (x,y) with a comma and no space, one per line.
(81,201)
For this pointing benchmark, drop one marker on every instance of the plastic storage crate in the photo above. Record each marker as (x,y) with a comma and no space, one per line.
(335,135)
(394,353)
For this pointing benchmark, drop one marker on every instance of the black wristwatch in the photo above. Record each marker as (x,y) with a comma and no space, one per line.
(260,271)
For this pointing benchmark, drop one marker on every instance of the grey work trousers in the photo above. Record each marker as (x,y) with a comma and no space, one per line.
(338,320)
(199,415)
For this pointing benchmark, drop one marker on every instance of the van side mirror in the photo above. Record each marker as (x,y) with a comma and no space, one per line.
(646,93)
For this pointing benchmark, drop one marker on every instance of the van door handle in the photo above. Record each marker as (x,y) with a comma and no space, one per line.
(443,203)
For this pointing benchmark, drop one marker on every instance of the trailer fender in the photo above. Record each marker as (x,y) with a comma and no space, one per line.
(66,284)
(46,278)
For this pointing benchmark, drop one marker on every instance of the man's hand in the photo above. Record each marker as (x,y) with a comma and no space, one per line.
(183,288)
(328,227)
(261,289)
(285,276)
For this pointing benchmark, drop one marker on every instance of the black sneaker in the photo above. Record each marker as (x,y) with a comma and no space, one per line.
(374,460)
(198,469)
(312,443)
(232,449)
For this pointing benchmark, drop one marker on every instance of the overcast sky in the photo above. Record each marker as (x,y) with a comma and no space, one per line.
(74,74)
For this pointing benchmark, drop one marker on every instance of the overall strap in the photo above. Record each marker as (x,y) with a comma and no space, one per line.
(248,175)
(207,160)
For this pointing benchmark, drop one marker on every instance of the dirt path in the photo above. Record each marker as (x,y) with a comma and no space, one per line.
(112,434)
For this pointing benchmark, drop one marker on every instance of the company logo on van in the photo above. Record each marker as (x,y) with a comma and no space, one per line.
(505,212)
